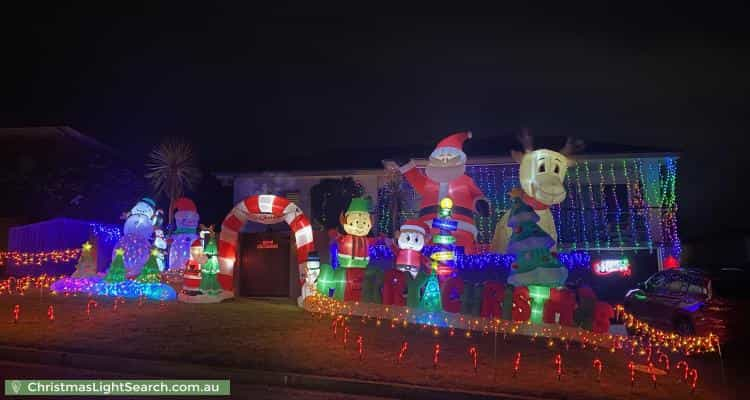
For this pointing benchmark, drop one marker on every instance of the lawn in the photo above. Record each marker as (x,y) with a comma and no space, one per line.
(277,335)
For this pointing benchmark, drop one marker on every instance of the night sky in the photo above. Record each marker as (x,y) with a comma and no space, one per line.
(246,83)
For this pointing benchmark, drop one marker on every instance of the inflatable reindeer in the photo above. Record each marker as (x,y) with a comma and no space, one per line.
(542,176)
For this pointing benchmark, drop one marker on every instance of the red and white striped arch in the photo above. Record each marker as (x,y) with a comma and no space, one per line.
(266,209)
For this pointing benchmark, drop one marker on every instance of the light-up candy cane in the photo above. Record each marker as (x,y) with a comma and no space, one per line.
(402,352)
(116,303)
(598,365)
(89,305)
(16,313)
(631,367)
(652,372)
(474,355)
(346,335)
(516,364)
(51,313)
(683,364)
(694,373)
(436,356)
(665,359)
(558,365)
(360,347)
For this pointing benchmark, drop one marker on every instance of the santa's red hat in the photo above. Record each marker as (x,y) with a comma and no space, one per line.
(416,226)
(452,144)
(196,243)
(185,204)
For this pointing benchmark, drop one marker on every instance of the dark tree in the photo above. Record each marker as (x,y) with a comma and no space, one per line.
(330,197)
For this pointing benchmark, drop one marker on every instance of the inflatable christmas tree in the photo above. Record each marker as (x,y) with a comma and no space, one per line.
(534,264)
(86,264)
(431,299)
(150,272)
(116,271)
(209,284)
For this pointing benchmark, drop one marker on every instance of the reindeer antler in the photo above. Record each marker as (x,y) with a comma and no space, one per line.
(572,146)
(526,141)
(209,228)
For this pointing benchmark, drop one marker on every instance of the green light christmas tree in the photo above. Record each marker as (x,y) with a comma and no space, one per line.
(116,271)
(86,264)
(209,283)
(150,272)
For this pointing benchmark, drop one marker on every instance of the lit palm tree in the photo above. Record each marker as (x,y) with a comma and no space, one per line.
(172,170)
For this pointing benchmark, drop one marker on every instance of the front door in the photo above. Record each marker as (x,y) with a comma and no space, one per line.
(264,264)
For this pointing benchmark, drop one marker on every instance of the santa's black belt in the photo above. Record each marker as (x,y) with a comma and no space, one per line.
(456,210)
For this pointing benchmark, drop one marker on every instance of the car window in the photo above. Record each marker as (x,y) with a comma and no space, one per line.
(698,290)
(677,287)
(656,282)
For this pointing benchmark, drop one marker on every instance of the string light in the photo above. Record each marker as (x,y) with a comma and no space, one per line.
(631,368)
(645,210)
(21,285)
(39,258)
(618,209)
(558,365)
(360,347)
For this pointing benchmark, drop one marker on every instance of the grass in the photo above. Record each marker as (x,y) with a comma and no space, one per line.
(277,335)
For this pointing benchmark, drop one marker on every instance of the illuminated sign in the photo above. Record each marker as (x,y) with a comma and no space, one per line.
(609,266)
(268,244)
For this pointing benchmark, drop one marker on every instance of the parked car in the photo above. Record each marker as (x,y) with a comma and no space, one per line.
(693,301)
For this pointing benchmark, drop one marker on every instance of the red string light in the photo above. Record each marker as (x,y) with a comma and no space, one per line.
(436,356)
(39,258)
(16,313)
(20,285)
(334,326)
(474,355)
(51,313)
(598,365)
(683,364)
(516,364)
(558,365)
(402,352)
(694,373)
(631,367)
(652,372)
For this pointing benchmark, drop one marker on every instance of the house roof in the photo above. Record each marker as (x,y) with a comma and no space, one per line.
(55,171)
(495,149)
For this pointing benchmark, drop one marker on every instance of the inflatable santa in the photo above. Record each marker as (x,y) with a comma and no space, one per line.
(186,219)
(445,177)
(191,277)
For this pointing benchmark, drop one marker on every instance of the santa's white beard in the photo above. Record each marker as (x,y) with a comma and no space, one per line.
(445,174)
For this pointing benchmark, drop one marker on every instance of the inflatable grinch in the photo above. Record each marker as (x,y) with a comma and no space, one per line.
(445,177)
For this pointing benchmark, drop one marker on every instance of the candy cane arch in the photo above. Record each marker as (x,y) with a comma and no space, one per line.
(265,209)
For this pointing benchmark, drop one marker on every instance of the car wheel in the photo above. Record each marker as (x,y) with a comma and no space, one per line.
(684,327)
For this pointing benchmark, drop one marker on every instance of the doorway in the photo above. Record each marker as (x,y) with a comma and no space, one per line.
(264,264)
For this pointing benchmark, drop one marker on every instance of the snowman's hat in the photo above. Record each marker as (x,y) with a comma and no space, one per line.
(185,204)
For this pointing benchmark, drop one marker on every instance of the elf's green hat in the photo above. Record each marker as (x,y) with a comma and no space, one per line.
(359,204)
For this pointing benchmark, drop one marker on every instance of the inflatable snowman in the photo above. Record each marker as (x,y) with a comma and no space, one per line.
(186,219)
(136,238)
